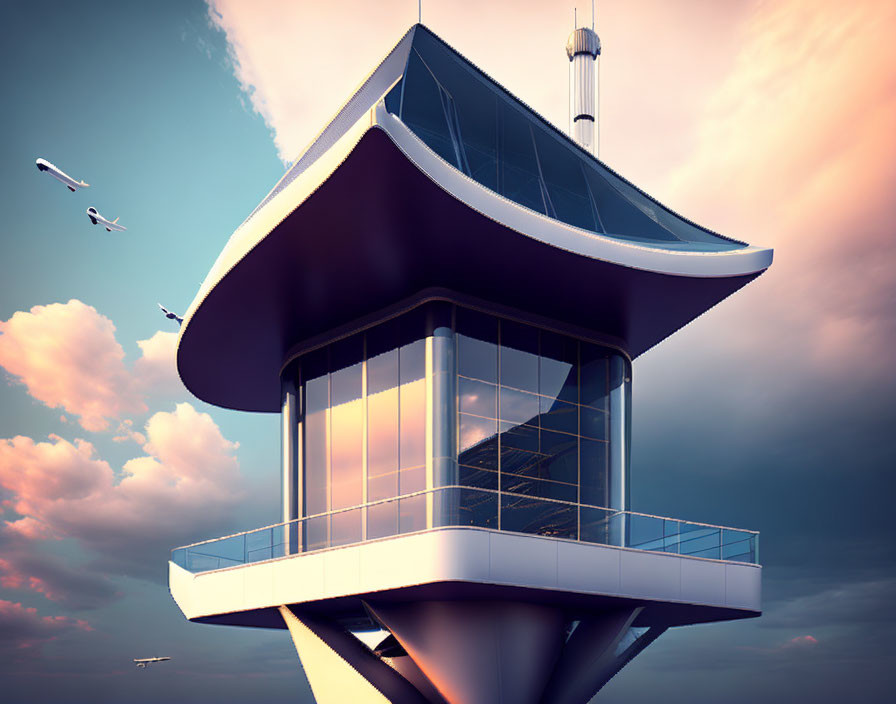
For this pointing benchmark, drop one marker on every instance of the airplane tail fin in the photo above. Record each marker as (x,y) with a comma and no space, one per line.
(84,184)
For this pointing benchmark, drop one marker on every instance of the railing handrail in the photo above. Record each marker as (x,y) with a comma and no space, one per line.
(611,511)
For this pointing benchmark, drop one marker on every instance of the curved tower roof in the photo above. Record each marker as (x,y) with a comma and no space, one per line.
(435,181)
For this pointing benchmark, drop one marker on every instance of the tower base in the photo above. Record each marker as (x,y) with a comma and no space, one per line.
(467,652)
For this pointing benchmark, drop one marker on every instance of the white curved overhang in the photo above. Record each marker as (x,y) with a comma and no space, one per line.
(734,262)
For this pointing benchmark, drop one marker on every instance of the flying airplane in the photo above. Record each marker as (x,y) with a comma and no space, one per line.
(143,662)
(110,225)
(170,315)
(60,175)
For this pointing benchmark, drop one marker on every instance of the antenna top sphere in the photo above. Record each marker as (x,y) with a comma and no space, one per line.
(583,41)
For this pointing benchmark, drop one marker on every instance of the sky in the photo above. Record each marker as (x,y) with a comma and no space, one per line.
(771,122)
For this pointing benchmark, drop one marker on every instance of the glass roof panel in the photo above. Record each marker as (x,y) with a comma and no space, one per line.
(482,130)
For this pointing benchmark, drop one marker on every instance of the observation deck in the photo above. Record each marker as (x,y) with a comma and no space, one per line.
(479,543)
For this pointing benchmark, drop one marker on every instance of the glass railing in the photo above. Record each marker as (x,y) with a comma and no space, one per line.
(478,508)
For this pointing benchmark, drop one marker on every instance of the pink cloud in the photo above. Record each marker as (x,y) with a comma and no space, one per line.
(156,371)
(801,641)
(25,567)
(795,148)
(126,432)
(24,628)
(67,357)
(185,486)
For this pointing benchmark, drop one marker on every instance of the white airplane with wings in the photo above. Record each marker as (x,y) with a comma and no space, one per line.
(60,175)
(143,662)
(170,315)
(98,219)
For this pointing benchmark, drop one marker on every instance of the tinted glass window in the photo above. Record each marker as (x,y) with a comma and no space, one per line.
(422,109)
(519,356)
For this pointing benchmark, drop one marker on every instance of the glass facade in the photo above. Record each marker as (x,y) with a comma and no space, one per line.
(483,131)
(362,431)
(445,396)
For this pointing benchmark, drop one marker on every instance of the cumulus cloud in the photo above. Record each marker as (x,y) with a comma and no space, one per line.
(67,357)
(185,486)
(126,432)
(156,370)
(23,629)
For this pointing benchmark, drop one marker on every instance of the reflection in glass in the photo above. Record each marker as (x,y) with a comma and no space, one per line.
(422,109)
(558,367)
(540,439)
(412,513)
(316,443)
(412,453)
(465,507)
(549,518)
(478,442)
(519,356)
(346,458)
(477,345)
(477,397)
(316,532)
(543,488)
(477,477)
(412,362)
(597,525)
(518,406)
(345,527)
(559,415)
(382,372)
(593,475)
(518,163)
(382,520)
(382,444)
(594,376)
(593,423)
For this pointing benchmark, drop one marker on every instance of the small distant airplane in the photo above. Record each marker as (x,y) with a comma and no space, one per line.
(143,662)
(60,175)
(170,315)
(110,225)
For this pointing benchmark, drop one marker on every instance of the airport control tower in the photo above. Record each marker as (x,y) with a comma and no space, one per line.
(442,299)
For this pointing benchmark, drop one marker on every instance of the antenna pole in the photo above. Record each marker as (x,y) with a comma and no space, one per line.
(420,11)
(592,15)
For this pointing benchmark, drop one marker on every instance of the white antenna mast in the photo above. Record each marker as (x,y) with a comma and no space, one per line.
(419,11)
(583,49)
